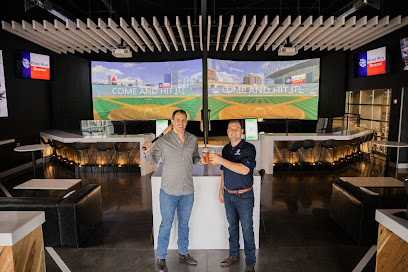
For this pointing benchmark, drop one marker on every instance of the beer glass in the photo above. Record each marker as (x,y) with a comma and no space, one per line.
(206,155)
(213,152)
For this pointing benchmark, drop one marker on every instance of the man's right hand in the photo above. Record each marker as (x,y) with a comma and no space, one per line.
(221,196)
(148,145)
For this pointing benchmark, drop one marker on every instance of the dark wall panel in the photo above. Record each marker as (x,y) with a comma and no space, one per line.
(71,92)
(28,102)
(332,85)
(38,105)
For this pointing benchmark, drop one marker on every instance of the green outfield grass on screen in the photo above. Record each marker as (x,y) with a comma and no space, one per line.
(260,89)
(146,91)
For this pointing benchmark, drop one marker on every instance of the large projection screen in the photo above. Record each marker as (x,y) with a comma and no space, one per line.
(146,90)
(263,89)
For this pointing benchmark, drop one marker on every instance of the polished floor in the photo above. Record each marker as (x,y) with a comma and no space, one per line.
(296,232)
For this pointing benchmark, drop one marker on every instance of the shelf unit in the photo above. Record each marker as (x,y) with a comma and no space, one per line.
(374,108)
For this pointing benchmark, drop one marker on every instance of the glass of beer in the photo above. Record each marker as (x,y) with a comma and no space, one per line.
(206,155)
(213,152)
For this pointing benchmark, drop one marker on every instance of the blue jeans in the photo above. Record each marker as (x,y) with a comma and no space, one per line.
(240,207)
(168,206)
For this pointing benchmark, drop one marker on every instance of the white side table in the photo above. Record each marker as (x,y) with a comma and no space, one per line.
(32,148)
(389,144)
(48,184)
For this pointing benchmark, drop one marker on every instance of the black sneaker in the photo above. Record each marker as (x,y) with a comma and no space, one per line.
(161,265)
(188,258)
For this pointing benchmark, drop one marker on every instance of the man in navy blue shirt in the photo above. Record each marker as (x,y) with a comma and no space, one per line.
(237,163)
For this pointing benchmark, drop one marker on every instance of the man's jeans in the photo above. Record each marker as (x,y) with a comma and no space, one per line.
(168,206)
(239,207)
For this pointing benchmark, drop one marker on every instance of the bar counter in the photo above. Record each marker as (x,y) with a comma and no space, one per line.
(272,147)
(133,143)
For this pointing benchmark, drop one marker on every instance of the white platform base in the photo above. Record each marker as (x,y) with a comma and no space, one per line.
(208,222)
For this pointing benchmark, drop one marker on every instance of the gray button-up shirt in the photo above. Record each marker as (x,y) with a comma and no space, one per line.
(177,160)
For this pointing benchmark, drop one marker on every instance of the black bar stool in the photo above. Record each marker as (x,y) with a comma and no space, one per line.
(308,144)
(351,149)
(355,149)
(294,147)
(80,151)
(118,152)
(370,144)
(58,148)
(43,141)
(102,149)
(330,144)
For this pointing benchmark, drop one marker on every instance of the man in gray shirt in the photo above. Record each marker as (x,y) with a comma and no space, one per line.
(178,150)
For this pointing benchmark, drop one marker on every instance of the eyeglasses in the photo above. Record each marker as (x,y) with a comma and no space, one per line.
(234,129)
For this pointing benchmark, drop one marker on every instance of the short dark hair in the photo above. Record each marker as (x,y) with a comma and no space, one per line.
(235,121)
(179,111)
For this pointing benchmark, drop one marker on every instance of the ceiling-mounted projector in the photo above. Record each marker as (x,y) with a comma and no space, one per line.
(287,51)
(124,52)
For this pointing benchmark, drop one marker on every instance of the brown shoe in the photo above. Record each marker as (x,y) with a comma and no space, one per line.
(161,265)
(229,260)
(188,258)
(249,269)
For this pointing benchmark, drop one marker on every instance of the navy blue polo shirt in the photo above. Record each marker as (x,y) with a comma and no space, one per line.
(244,153)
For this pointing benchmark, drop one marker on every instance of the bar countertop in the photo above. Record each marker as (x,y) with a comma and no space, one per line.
(69,137)
(397,225)
(6,141)
(15,225)
(338,135)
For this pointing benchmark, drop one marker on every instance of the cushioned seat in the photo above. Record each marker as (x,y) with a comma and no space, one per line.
(68,221)
(354,210)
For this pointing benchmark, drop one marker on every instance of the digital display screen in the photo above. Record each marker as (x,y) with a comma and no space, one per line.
(161,125)
(35,66)
(146,90)
(404,52)
(3,95)
(263,89)
(251,129)
(373,62)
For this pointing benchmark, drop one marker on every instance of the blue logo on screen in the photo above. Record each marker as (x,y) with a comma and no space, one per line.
(362,64)
(25,61)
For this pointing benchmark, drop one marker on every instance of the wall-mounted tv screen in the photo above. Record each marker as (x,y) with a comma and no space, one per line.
(263,89)
(373,62)
(404,52)
(146,90)
(35,66)
(3,95)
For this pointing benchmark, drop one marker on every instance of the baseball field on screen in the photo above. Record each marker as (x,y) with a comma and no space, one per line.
(222,107)
(268,107)
(145,108)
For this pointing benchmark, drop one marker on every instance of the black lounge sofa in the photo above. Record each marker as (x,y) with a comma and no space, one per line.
(68,221)
(354,210)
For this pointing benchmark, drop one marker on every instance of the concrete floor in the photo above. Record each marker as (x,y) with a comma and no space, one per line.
(298,234)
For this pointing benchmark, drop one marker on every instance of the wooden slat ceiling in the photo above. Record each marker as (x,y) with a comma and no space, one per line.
(223,33)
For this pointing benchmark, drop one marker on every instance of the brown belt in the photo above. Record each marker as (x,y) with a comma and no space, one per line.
(239,191)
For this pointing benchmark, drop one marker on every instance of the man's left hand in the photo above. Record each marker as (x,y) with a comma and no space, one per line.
(215,158)
(203,161)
